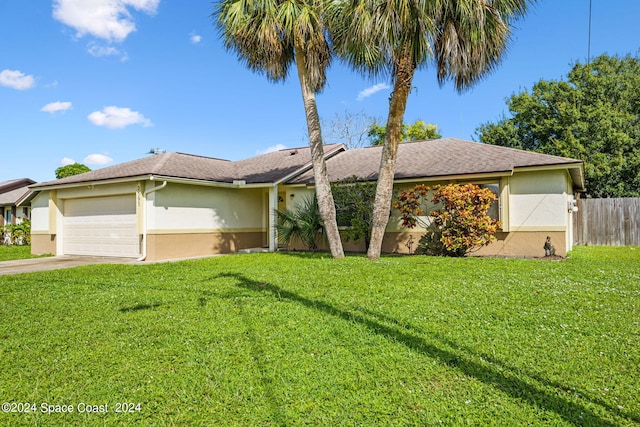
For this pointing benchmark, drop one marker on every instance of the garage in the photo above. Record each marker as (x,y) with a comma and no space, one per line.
(101,226)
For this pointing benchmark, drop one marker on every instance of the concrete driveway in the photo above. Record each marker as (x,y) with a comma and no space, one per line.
(57,262)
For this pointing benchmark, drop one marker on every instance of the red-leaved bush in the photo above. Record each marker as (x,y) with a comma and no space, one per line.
(460,223)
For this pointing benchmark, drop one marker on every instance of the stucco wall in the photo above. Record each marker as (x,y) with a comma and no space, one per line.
(538,201)
(42,244)
(189,221)
(40,213)
(44,217)
(172,246)
(295,196)
(180,208)
(515,244)
(99,190)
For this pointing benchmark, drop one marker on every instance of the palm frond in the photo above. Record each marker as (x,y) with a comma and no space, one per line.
(472,38)
(265,33)
(302,224)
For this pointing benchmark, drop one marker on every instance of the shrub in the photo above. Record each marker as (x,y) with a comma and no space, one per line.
(459,224)
(303,224)
(17,234)
(354,208)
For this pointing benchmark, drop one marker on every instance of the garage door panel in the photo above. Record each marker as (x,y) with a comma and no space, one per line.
(101,226)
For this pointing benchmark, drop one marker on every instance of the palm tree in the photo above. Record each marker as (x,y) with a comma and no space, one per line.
(269,36)
(464,38)
(303,224)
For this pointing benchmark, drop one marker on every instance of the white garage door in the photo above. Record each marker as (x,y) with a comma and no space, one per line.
(101,226)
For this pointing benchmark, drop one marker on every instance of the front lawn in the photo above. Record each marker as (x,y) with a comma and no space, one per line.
(12,252)
(301,339)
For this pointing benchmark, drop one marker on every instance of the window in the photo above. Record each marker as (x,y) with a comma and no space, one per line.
(494,209)
(8,214)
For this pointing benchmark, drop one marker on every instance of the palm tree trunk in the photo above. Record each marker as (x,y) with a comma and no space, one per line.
(384,189)
(321,178)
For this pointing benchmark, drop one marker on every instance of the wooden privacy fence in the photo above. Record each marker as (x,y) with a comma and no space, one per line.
(610,222)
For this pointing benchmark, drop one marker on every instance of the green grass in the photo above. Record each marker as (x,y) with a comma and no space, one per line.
(301,339)
(9,253)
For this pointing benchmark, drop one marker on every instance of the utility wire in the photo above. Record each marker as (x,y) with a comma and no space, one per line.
(589,38)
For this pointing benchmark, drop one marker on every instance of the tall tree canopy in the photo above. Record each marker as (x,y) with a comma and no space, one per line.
(271,36)
(418,131)
(70,170)
(350,129)
(465,39)
(593,115)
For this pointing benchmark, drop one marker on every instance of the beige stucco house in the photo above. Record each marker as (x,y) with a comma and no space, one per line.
(176,205)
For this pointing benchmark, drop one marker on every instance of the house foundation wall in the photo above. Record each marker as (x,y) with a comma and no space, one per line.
(43,244)
(513,244)
(173,246)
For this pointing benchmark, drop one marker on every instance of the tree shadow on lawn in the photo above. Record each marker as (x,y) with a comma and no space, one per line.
(139,307)
(507,382)
(492,360)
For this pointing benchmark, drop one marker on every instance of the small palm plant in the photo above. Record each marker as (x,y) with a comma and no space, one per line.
(302,224)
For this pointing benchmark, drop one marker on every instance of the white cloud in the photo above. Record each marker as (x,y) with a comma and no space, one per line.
(16,80)
(97,159)
(67,161)
(110,20)
(195,38)
(271,149)
(117,118)
(54,107)
(98,51)
(371,90)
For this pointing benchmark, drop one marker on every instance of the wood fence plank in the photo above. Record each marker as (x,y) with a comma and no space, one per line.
(611,222)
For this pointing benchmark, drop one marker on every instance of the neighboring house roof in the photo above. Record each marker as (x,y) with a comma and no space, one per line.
(13,191)
(266,168)
(441,158)
(433,159)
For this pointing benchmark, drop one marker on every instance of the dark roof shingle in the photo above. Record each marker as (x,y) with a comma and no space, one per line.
(12,191)
(435,158)
(265,168)
(432,159)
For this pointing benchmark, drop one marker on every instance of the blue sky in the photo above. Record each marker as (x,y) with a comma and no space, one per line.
(102,82)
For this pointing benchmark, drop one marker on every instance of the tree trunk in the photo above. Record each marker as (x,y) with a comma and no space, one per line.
(320,176)
(384,189)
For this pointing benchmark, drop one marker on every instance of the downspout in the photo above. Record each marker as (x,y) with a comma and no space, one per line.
(272,219)
(143,256)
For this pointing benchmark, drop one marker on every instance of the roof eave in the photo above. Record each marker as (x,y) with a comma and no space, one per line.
(455,177)
(577,176)
(575,169)
(26,198)
(406,180)
(209,183)
(15,184)
(340,148)
(39,187)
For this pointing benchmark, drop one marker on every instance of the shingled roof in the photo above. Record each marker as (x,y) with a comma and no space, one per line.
(440,158)
(13,191)
(266,168)
(434,159)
